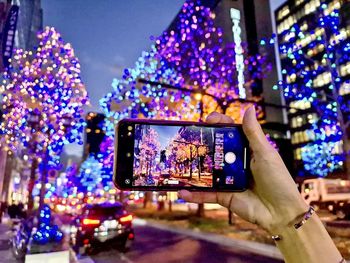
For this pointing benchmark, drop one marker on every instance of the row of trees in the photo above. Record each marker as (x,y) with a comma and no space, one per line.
(186,147)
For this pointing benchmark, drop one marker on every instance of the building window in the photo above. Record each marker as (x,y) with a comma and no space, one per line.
(311,6)
(300,105)
(322,79)
(283,12)
(332,6)
(344,89)
(297,154)
(298,2)
(344,69)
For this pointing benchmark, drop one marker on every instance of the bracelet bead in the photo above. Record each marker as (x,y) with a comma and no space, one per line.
(306,217)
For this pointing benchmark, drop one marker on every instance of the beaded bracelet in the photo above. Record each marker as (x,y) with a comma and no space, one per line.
(306,217)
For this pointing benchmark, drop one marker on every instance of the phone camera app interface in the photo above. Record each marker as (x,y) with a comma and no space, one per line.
(189,156)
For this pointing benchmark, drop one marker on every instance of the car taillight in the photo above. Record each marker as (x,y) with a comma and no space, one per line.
(125,219)
(90,222)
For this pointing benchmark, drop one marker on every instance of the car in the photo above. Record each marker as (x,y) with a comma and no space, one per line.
(101,223)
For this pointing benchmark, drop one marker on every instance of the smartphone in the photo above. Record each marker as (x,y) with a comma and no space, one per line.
(153,155)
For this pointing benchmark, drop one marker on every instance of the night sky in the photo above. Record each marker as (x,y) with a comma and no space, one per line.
(109,35)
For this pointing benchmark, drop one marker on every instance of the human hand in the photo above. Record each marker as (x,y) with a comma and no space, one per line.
(273,201)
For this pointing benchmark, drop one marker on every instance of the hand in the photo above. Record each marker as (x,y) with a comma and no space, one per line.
(273,201)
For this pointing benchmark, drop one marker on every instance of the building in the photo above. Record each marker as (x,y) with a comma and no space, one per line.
(303,40)
(255,24)
(249,21)
(29,22)
(20,20)
(94,134)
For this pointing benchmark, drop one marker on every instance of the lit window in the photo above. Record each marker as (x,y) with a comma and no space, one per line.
(344,89)
(304,27)
(300,104)
(297,154)
(322,79)
(340,36)
(283,12)
(291,78)
(345,69)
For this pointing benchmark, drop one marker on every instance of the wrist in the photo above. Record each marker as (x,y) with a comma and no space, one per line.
(287,216)
(309,243)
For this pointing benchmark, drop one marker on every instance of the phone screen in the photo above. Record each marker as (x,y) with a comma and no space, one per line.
(189,156)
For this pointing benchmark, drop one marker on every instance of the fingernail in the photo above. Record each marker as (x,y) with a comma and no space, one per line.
(251,108)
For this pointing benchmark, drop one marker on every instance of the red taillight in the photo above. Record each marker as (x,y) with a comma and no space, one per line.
(125,219)
(89,222)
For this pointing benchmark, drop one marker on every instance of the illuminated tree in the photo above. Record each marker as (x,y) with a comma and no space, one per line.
(70,182)
(43,97)
(149,148)
(186,148)
(195,71)
(105,157)
(188,73)
(89,176)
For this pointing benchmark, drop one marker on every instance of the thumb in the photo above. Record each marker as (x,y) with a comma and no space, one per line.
(253,131)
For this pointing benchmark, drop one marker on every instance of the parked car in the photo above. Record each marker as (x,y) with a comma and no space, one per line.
(100,223)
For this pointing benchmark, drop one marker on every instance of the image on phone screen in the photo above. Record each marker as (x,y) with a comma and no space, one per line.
(189,156)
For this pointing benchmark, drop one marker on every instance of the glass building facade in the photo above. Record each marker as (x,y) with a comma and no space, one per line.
(299,25)
(30,21)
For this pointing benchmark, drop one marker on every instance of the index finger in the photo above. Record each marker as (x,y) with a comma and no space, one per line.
(198,197)
(216,117)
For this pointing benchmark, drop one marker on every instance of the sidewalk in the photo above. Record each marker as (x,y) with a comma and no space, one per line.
(241,233)
(5,250)
(6,255)
(243,245)
(247,246)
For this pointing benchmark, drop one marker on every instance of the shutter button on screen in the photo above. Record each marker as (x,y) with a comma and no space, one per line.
(230,157)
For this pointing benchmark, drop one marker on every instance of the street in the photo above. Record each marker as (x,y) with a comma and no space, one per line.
(5,253)
(155,245)
(196,130)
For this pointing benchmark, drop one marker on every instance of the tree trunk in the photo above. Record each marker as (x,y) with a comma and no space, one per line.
(31,183)
(230,217)
(43,184)
(200,210)
(148,197)
(121,197)
(170,204)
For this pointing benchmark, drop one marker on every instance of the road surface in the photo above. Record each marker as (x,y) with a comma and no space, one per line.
(154,245)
